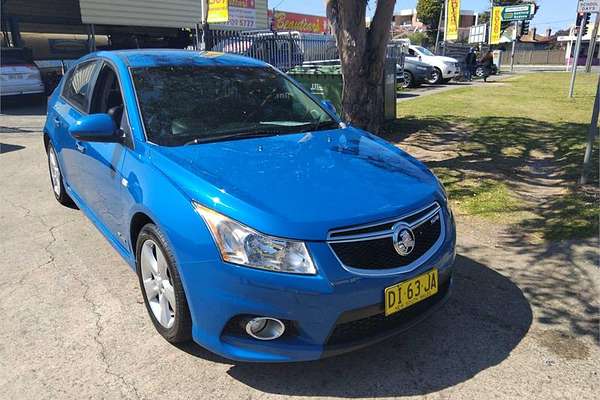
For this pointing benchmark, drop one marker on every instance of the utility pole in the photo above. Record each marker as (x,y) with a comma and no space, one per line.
(437,36)
(576,57)
(514,43)
(592,133)
(592,46)
(205,31)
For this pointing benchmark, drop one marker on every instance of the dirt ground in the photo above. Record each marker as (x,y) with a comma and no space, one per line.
(522,321)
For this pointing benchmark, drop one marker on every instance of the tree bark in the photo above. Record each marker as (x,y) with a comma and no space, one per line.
(362,54)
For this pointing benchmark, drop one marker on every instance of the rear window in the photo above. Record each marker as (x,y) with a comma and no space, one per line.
(14,57)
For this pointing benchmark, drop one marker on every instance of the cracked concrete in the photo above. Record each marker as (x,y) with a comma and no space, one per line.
(522,321)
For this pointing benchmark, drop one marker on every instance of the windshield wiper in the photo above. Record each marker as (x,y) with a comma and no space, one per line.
(236,135)
(321,124)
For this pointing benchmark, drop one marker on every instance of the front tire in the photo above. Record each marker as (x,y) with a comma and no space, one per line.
(436,77)
(161,286)
(56,178)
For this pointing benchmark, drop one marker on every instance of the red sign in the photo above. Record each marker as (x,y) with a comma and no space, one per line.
(287,21)
(242,3)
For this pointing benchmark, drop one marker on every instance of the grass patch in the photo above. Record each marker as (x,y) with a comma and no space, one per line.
(523,132)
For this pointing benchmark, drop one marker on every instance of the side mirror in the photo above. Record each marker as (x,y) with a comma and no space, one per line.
(95,128)
(329,105)
(420,58)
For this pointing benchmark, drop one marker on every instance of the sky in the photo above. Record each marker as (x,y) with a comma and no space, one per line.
(555,14)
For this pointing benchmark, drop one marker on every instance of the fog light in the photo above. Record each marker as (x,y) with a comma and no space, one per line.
(265,328)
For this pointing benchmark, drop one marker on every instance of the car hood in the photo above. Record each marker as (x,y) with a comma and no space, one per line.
(447,59)
(300,185)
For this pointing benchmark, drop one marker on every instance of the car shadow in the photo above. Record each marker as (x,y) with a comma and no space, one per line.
(24,105)
(7,148)
(485,318)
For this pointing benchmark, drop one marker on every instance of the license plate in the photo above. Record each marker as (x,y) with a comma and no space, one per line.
(407,293)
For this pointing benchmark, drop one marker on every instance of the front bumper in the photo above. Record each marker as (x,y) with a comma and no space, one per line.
(334,298)
(449,72)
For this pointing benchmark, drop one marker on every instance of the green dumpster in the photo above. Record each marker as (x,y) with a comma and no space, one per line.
(325,82)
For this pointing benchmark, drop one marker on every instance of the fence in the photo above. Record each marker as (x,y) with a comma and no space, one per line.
(283,50)
(535,57)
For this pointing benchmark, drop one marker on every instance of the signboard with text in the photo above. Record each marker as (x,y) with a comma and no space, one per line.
(496,25)
(452,20)
(288,21)
(217,11)
(589,6)
(518,13)
(242,13)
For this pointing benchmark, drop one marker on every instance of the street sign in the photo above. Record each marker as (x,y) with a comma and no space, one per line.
(518,13)
(589,6)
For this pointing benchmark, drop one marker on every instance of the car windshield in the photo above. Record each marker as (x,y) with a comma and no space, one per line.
(194,104)
(424,51)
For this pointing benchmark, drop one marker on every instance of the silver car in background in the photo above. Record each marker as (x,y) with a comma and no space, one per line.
(18,74)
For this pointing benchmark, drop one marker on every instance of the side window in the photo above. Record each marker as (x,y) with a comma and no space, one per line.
(411,52)
(107,99)
(77,86)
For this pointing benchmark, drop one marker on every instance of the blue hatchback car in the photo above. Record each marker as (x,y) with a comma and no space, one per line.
(260,225)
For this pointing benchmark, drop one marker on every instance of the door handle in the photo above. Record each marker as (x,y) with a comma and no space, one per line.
(56,122)
(80,147)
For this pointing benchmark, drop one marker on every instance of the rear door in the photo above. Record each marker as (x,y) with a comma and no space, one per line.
(71,105)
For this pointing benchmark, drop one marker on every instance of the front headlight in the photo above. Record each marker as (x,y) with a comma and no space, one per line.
(239,244)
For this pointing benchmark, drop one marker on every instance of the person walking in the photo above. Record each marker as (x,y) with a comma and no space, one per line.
(470,62)
(486,62)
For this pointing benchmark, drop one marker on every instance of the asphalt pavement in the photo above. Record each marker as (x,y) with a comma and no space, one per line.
(522,321)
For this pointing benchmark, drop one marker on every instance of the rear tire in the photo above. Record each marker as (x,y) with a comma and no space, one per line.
(56,179)
(161,286)
(408,81)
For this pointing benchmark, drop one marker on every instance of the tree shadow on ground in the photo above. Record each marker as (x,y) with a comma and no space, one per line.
(539,161)
(484,320)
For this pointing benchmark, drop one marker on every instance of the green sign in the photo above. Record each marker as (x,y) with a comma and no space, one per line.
(518,13)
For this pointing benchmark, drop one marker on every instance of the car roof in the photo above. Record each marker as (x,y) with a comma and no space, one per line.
(175,57)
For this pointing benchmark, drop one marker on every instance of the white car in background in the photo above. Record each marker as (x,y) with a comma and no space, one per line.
(18,75)
(445,68)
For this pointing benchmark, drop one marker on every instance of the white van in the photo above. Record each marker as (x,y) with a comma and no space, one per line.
(18,74)
(445,68)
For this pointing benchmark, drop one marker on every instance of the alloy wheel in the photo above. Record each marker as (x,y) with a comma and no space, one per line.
(157,283)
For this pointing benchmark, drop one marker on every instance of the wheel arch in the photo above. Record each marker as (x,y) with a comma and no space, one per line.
(138,221)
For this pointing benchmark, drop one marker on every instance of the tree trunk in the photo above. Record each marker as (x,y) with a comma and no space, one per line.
(362,54)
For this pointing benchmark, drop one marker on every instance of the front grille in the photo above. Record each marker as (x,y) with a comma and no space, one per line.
(379,253)
(365,328)
(382,226)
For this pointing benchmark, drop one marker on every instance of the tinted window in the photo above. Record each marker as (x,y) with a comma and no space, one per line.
(77,86)
(184,103)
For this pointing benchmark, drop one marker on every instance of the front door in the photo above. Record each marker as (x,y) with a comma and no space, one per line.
(101,162)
